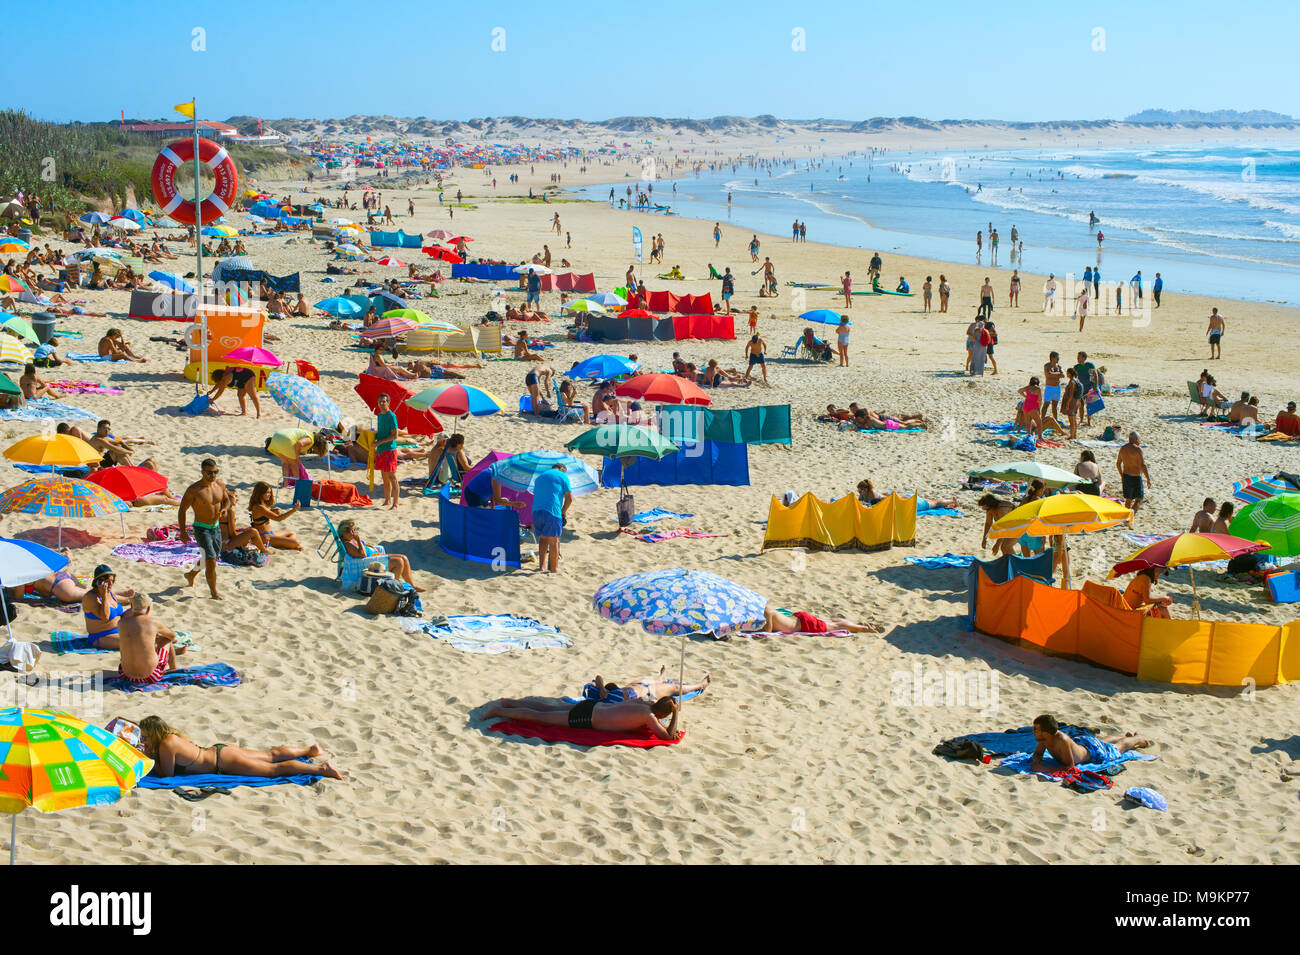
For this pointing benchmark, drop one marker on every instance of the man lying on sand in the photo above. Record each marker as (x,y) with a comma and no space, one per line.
(1084,748)
(594,715)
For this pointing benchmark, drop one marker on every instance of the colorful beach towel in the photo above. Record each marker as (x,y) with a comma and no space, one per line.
(656,514)
(994,427)
(63,641)
(944,560)
(84,388)
(566,734)
(653,536)
(208,674)
(53,468)
(491,633)
(616,694)
(163,553)
(46,409)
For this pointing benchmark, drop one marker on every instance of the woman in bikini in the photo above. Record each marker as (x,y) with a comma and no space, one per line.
(233,537)
(1138,594)
(101,608)
(262,511)
(868,496)
(1031,407)
(994,508)
(176,755)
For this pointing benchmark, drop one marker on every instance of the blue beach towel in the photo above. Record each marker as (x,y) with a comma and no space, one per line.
(212,779)
(46,409)
(894,431)
(589,692)
(86,356)
(656,514)
(68,470)
(946,560)
(64,641)
(939,512)
(994,427)
(209,674)
(492,633)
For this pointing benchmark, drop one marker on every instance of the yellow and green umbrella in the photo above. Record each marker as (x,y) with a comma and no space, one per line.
(52,761)
(19,326)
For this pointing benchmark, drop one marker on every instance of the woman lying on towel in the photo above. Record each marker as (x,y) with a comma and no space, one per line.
(864,419)
(777,621)
(868,496)
(176,755)
(594,715)
(651,688)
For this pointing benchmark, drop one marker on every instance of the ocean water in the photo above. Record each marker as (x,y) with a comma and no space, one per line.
(1213,220)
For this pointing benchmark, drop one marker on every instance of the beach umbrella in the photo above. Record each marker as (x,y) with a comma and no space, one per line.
(608,299)
(525,269)
(439,234)
(388,328)
(341,221)
(135,215)
(128,482)
(677,601)
(23,562)
(19,326)
(1258,488)
(252,355)
(1061,515)
(14,246)
(446,255)
(519,472)
(1185,549)
(622,441)
(12,351)
(389,260)
(93,218)
(385,301)
(1027,471)
(173,282)
(53,449)
(668,389)
(124,225)
(410,314)
(409,420)
(220,232)
(603,366)
(340,307)
(303,399)
(453,240)
(51,761)
(585,305)
(1274,521)
(824,316)
(54,495)
(10,284)
(455,398)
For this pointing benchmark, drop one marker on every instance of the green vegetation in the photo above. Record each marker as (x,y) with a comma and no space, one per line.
(68,163)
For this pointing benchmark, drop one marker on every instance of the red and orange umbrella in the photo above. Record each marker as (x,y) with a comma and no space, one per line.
(669,389)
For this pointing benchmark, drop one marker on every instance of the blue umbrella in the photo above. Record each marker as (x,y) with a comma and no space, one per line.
(387,301)
(340,307)
(823,316)
(135,215)
(677,601)
(519,471)
(94,218)
(22,562)
(303,399)
(173,282)
(603,366)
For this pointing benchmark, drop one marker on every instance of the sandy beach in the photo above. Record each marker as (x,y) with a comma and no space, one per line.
(807,749)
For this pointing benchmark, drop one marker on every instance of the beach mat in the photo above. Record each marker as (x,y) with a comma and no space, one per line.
(491,633)
(946,560)
(567,734)
(63,641)
(86,356)
(46,409)
(209,674)
(200,780)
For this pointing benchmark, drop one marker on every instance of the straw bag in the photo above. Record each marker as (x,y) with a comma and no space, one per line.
(393,597)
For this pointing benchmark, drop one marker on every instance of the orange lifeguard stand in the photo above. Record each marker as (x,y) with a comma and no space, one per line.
(229,327)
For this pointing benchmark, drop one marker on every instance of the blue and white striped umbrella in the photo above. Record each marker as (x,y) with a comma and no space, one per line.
(519,471)
(173,282)
(304,399)
(681,601)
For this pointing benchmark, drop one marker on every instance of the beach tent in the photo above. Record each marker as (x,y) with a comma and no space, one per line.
(485,535)
(707,462)
(162,306)
(1095,625)
(843,524)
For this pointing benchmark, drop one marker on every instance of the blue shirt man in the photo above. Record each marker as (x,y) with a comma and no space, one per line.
(552,495)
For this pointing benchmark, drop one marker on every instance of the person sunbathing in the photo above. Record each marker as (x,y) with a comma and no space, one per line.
(594,715)
(176,755)
(648,690)
(569,395)
(115,347)
(233,537)
(521,351)
(868,496)
(1079,749)
(262,511)
(778,621)
(381,369)
(301,308)
(838,414)
(102,607)
(427,369)
(715,376)
(34,387)
(355,546)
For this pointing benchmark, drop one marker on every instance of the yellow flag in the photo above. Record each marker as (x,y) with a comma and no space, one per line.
(186,109)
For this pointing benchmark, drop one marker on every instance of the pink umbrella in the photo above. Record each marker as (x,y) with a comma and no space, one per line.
(251,355)
(439,234)
(389,260)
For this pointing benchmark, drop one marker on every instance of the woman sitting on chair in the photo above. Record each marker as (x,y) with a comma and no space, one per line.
(1138,594)
(815,346)
(355,546)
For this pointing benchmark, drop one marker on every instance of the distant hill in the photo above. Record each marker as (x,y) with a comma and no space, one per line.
(1218,117)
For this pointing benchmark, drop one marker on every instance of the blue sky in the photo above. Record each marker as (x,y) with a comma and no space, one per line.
(588,60)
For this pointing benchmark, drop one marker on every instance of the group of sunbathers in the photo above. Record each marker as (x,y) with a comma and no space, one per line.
(861,418)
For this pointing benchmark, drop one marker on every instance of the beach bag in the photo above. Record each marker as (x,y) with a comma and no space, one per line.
(626,510)
(1095,403)
(371,577)
(244,557)
(394,597)
(198,405)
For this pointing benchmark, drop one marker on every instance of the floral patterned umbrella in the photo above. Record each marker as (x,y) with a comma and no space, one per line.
(678,601)
(303,399)
(57,496)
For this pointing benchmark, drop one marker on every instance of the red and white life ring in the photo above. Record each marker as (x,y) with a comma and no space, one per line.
(169,198)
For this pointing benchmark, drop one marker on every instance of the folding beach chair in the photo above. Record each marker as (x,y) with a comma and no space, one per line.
(453,481)
(792,351)
(1193,396)
(563,412)
(349,569)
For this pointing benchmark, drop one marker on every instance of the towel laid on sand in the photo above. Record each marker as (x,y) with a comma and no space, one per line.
(46,409)
(764,634)
(566,734)
(939,512)
(944,560)
(616,695)
(208,674)
(1017,747)
(490,633)
(212,779)
(84,388)
(338,492)
(86,356)
(653,536)
(994,427)
(164,553)
(65,470)
(64,641)
(1098,443)
(656,514)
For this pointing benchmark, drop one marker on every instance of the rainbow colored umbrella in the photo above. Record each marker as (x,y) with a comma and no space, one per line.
(252,355)
(10,284)
(1258,488)
(303,399)
(14,246)
(51,760)
(453,398)
(389,328)
(57,496)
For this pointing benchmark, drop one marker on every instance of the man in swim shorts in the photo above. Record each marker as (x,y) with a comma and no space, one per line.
(206,497)
(630,716)
(1215,333)
(756,351)
(146,645)
(777,621)
(1132,468)
(1078,748)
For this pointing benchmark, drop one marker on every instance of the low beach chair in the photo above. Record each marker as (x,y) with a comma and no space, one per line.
(564,413)
(454,477)
(349,569)
(792,351)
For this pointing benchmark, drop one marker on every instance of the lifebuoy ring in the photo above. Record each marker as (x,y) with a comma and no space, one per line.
(169,198)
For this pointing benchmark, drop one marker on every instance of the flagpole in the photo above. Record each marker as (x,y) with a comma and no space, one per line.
(201,379)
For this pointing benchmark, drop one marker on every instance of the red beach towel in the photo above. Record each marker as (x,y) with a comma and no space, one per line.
(566,734)
(336,492)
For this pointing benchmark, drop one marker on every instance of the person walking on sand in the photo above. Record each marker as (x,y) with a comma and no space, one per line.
(386,457)
(1049,294)
(206,497)
(756,354)
(717,234)
(1132,467)
(1081,304)
(846,286)
(979,246)
(1013,296)
(986,300)
(842,340)
(1215,333)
